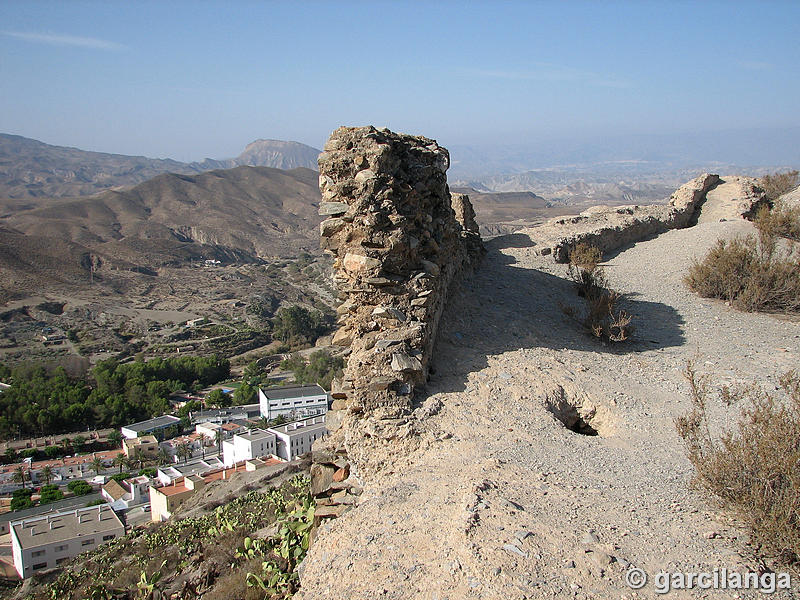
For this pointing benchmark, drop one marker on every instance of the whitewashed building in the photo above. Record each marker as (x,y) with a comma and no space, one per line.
(167,475)
(246,446)
(294,401)
(295,439)
(45,542)
(122,495)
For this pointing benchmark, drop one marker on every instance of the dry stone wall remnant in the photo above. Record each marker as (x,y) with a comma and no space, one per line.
(609,228)
(399,239)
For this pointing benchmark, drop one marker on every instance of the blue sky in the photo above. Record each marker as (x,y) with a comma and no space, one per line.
(189,80)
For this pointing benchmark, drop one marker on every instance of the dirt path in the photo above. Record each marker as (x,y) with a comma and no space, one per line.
(501,500)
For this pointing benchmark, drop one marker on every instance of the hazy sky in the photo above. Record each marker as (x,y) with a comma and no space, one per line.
(189,80)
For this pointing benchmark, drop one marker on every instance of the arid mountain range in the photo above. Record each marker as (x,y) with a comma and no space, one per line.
(244,214)
(29,168)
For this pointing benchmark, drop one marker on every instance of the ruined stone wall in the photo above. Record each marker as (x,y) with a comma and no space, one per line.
(399,238)
(609,228)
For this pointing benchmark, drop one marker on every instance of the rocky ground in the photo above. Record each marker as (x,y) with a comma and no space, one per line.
(501,499)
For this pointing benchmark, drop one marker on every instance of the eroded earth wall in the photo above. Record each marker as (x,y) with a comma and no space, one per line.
(399,239)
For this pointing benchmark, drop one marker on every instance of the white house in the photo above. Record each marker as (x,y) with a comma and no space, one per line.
(167,475)
(47,541)
(294,439)
(121,495)
(209,430)
(246,446)
(294,401)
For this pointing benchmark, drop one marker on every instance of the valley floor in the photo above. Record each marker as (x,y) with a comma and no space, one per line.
(501,500)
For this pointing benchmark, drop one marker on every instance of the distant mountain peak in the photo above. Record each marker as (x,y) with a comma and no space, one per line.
(278,154)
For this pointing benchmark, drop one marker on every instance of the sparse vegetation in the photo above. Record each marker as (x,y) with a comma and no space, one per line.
(777,184)
(762,274)
(209,556)
(779,221)
(602,315)
(752,470)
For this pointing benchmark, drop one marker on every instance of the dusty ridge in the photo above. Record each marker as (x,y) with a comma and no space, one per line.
(612,228)
(500,499)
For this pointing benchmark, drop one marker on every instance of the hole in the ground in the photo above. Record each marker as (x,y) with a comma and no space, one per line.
(582,427)
(581,417)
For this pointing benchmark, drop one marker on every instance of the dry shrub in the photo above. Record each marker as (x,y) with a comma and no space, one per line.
(777,184)
(602,315)
(779,221)
(754,470)
(750,275)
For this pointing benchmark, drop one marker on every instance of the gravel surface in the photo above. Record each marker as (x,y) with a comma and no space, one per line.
(501,500)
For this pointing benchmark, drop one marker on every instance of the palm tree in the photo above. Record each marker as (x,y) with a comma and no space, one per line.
(119,461)
(163,456)
(138,458)
(96,465)
(19,476)
(129,462)
(114,438)
(184,451)
(47,473)
(218,436)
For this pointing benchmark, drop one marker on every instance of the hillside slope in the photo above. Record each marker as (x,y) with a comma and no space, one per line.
(502,500)
(242,214)
(253,210)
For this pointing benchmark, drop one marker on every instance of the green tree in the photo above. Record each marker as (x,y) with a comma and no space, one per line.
(19,476)
(12,455)
(21,499)
(218,438)
(244,394)
(297,324)
(119,461)
(252,374)
(96,465)
(163,456)
(219,399)
(320,368)
(114,437)
(78,443)
(184,451)
(79,487)
(47,473)
(50,493)
(52,452)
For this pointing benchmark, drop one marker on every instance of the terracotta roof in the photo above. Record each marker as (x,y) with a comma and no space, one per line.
(175,488)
